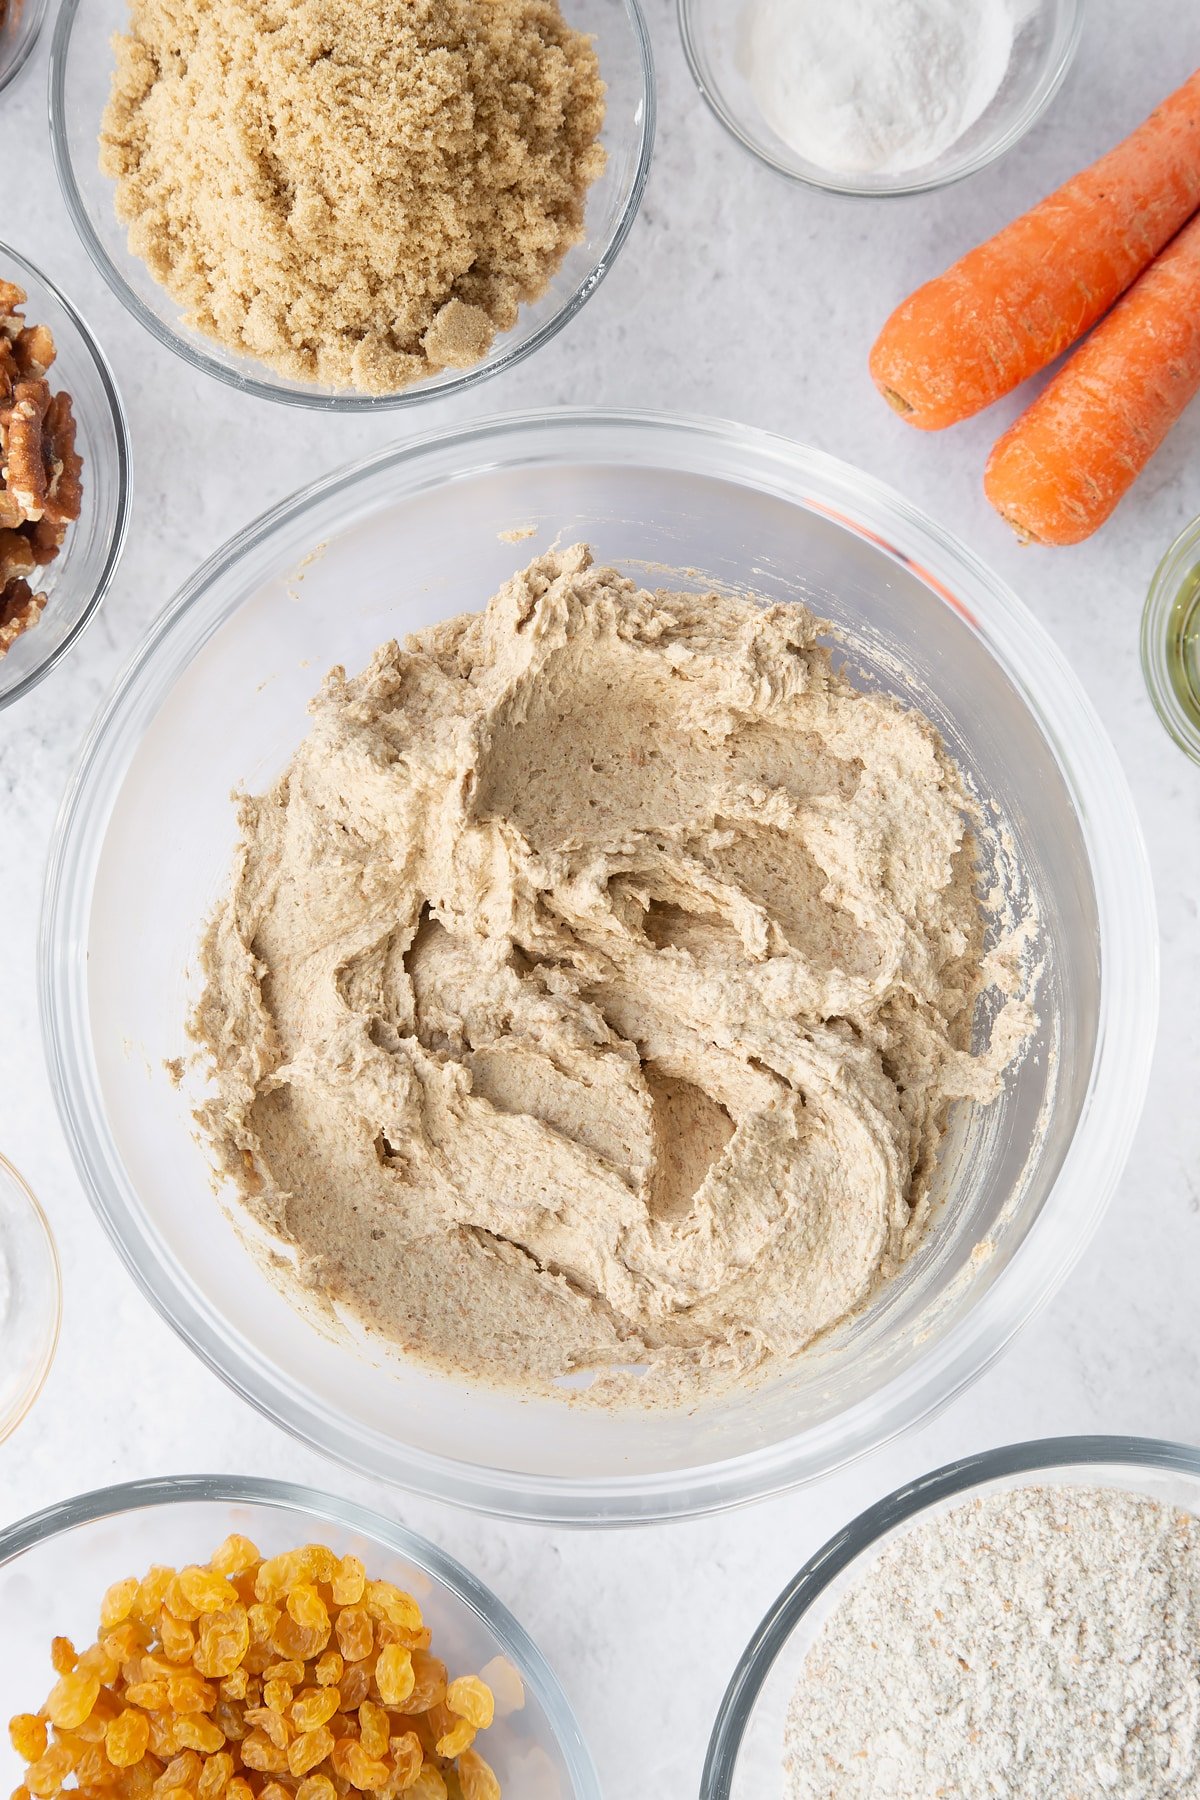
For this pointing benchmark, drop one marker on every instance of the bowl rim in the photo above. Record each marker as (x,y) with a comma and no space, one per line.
(1120,1065)
(905,1504)
(124,476)
(12,1177)
(135,1496)
(1035,105)
(1180,560)
(268,387)
(36,10)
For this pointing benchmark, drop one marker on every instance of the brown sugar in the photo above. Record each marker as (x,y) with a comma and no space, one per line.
(356,195)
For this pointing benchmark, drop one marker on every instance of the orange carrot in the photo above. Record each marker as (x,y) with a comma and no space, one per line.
(1060,470)
(1011,305)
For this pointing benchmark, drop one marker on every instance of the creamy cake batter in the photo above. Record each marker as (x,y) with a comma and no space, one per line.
(594,984)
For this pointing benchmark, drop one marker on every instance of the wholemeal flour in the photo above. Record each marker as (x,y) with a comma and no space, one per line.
(1043,1642)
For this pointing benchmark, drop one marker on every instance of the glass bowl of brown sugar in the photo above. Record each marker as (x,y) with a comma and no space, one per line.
(259,294)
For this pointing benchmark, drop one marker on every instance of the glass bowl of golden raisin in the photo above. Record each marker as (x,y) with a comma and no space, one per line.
(218,1638)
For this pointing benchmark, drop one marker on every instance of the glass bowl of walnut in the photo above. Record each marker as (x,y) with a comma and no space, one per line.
(232,1639)
(64,475)
(20,23)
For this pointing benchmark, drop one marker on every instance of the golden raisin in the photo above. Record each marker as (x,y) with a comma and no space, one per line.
(385,1601)
(394,1675)
(150,1695)
(99,1662)
(181,1772)
(296,1642)
(429,1785)
(234,1685)
(362,1771)
(407,1757)
(224,1640)
(28,1735)
(456,1740)
(215,1775)
(177,1638)
(263,1620)
(429,1686)
(127,1739)
(71,1699)
(355,1634)
(152,1591)
(194,1732)
(207,1592)
(308,1609)
(274,1790)
(349,1582)
(354,1686)
(477,1778)
(176,1602)
(309,1749)
(137,1783)
(190,1693)
(373,1729)
(291,1672)
(472,1700)
(258,1752)
(231,1721)
(126,1639)
(316,1787)
(94,1769)
(329,1669)
(47,1774)
(273,1723)
(277,1695)
(234,1557)
(315,1706)
(118,1602)
(62,1655)
(239,1789)
(277,1575)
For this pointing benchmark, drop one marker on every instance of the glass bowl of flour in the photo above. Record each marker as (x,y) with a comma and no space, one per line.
(1026,1620)
(876,97)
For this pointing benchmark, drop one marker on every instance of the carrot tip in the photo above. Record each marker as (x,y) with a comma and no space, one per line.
(1022,532)
(896,401)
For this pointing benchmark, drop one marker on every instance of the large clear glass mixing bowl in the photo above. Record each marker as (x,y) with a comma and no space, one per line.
(216,697)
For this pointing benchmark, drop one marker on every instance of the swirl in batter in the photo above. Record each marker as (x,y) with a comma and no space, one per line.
(594,985)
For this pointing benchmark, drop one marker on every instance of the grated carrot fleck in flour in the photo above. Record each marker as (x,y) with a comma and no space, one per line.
(356,195)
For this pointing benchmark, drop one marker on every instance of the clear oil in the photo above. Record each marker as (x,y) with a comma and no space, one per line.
(1183,646)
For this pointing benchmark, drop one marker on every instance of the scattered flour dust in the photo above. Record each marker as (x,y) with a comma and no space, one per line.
(1040,1642)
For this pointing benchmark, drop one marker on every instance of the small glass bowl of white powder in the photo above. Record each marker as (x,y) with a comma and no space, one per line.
(30,1298)
(876,97)
(1026,1621)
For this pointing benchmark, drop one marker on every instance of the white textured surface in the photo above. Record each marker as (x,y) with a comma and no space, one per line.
(739,295)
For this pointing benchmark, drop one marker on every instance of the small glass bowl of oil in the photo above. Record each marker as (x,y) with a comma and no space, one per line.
(1171,640)
(30,1298)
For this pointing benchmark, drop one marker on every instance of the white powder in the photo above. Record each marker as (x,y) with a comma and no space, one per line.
(875,86)
(1043,1642)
